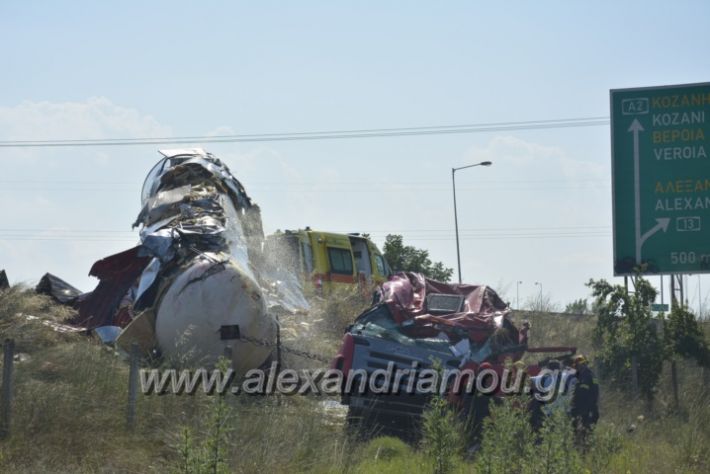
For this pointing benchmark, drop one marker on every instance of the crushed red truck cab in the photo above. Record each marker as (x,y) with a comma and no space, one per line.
(417,324)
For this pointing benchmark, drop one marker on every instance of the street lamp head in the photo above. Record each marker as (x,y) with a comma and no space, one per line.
(482,163)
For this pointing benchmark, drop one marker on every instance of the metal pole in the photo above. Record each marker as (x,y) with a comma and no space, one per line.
(682,292)
(132,386)
(6,412)
(517,294)
(227,354)
(456,223)
(700,301)
(673,299)
(540,297)
(456,217)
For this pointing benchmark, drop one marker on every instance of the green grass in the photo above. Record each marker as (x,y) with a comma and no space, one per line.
(71,393)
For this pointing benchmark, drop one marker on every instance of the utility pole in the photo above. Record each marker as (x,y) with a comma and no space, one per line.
(517,294)
(540,285)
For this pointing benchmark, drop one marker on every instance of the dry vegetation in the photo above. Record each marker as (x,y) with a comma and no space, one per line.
(70,403)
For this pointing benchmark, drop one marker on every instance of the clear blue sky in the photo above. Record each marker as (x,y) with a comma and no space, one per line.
(135,69)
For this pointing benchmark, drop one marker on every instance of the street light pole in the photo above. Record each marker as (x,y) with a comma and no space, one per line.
(456,218)
(517,295)
(540,285)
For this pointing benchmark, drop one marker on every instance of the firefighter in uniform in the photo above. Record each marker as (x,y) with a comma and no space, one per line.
(585,398)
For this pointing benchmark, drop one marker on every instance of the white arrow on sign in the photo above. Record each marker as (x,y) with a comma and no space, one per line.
(661,222)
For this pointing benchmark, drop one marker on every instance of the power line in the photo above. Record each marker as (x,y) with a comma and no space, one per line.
(322,191)
(311,183)
(370,231)
(65,239)
(424,239)
(318,187)
(74,231)
(515,237)
(487,229)
(430,235)
(319,135)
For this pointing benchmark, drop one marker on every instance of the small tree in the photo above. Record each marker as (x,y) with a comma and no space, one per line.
(625,329)
(508,443)
(684,337)
(206,452)
(442,435)
(541,304)
(555,451)
(405,258)
(580,306)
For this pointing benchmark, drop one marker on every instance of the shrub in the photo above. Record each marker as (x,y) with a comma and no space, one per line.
(508,441)
(442,435)
(625,329)
(555,451)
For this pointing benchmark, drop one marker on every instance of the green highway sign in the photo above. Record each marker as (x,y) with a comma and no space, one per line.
(661,179)
(659,307)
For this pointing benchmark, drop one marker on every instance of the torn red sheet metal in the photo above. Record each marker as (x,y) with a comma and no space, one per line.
(481,314)
(409,290)
(117,274)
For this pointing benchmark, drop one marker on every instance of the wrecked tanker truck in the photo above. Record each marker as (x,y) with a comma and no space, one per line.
(198,285)
(417,324)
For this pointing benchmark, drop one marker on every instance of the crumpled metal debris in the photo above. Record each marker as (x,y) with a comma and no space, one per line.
(472,320)
(108,334)
(58,327)
(58,289)
(4,283)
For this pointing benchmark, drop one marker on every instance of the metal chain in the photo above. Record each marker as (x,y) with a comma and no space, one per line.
(253,340)
(305,354)
(290,350)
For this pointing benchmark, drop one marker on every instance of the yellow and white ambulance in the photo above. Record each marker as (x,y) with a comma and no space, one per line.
(329,260)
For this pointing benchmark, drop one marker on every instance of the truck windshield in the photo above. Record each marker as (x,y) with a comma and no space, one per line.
(378,322)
